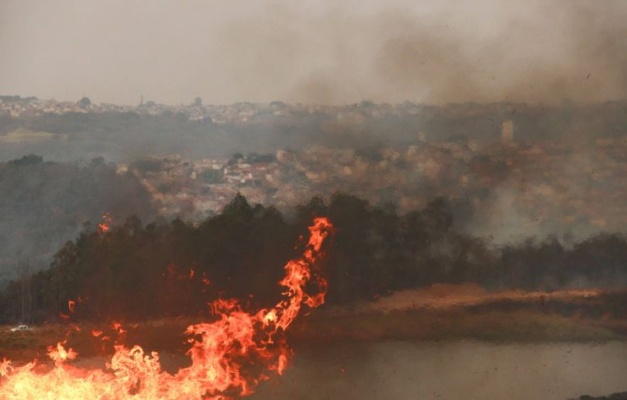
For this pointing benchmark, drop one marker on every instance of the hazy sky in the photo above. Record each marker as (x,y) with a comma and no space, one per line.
(314,51)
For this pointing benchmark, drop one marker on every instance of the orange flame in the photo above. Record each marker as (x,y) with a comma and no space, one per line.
(220,351)
(104,226)
(59,355)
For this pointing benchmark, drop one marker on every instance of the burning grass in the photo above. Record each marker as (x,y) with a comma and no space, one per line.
(228,356)
(166,334)
(443,312)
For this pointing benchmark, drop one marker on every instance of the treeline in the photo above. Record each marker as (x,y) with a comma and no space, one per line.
(141,271)
(43,204)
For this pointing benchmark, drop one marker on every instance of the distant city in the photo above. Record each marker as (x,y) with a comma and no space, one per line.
(511,181)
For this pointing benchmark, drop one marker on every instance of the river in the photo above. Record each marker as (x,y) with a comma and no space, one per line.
(466,370)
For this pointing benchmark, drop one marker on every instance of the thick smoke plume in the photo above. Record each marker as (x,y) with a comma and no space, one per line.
(346,52)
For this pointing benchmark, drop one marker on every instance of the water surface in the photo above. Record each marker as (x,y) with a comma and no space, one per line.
(451,370)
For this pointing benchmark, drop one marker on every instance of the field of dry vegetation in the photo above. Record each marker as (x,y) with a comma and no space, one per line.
(439,313)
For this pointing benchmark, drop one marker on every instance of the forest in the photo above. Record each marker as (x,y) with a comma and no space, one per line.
(45,203)
(137,271)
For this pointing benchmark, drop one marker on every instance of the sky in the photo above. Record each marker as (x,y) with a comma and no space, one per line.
(323,52)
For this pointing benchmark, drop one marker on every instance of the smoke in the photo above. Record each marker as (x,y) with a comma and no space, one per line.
(45,204)
(313,52)
(539,51)
(570,197)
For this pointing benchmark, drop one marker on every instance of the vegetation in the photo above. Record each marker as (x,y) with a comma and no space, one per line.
(495,326)
(43,204)
(122,135)
(138,271)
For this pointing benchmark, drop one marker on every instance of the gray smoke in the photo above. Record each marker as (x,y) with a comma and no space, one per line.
(339,52)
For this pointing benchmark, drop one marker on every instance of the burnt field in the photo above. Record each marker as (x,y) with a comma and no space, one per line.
(591,316)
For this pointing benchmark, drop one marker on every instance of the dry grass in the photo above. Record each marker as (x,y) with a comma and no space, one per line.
(442,313)
(522,326)
(22,135)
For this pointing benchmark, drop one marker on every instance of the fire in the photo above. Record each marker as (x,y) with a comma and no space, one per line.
(229,356)
(103,227)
